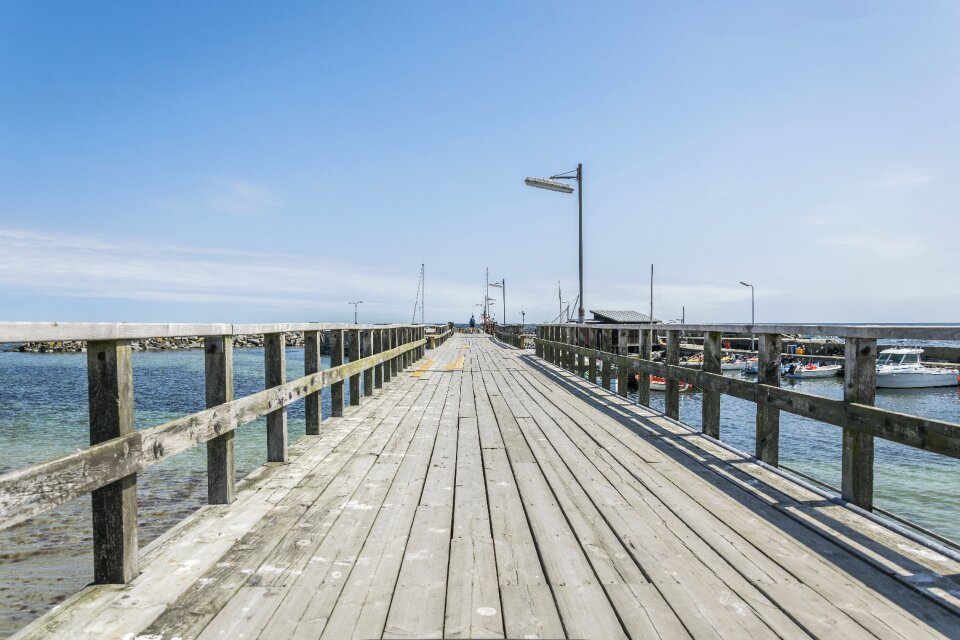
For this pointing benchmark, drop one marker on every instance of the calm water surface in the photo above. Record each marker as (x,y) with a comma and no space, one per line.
(43,414)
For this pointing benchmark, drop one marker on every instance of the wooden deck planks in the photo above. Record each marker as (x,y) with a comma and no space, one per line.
(487,494)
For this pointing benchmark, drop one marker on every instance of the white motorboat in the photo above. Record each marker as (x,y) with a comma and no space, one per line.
(732,364)
(900,368)
(813,370)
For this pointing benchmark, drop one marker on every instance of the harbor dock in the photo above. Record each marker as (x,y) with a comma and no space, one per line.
(468,487)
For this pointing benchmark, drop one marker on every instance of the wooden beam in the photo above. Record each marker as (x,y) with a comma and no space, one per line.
(768,417)
(218,374)
(311,364)
(275,374)
(114,506)
(859,386)
(711,398)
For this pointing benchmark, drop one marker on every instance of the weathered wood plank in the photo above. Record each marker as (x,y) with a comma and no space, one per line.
(362,608)
(417,607)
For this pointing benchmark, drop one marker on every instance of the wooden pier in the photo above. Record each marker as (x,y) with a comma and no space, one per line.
(477,490)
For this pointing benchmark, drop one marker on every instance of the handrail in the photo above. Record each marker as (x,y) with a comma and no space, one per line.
(58,331)
(107,469)
(73,475)
(871,331)
(588,349)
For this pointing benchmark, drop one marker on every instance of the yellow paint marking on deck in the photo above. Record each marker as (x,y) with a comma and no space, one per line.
(458,365)
(423,368)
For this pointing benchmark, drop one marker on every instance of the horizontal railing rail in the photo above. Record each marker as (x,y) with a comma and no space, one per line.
(108,468)
(594,350)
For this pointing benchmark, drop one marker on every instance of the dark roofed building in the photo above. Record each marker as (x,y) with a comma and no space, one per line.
(624,340)
(620,317)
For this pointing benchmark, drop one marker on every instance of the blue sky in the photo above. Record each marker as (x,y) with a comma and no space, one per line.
(271,161)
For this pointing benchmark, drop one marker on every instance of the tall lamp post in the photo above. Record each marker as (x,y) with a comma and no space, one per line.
(552,185)
(753,319)
(355,305)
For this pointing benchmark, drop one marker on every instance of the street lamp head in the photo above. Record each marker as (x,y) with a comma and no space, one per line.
(551,185)
(745,284)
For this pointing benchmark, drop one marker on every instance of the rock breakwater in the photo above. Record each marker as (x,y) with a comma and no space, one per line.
(293,339)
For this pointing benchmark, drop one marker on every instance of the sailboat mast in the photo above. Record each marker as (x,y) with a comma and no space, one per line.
(651,293)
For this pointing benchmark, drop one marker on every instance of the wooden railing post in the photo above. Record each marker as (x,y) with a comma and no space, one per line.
(623,375)
(581,358)
(311,364)
(592,359)
(643,382)
(711,399)
(385,341)
(672,393)
(366,350)
(571,355)
(114,506)
(860,386)
(275,372)
(397,363)
(768,418)
(606,338)
(354,356)
(218,376)
(378,348)
(335,339)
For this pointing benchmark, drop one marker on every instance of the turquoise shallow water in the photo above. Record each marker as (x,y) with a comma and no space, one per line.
(43,409)
(43,414)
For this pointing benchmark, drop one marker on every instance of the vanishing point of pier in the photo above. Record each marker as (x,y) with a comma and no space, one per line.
(474,488)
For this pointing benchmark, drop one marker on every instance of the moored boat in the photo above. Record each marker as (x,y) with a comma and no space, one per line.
(813,370)
(900,368)
(660,384)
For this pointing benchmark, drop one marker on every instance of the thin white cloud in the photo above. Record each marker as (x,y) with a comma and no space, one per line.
(76,266)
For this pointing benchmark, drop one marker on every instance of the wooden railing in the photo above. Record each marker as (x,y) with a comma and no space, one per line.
(588,351)
(437,339)
(108,468)
(511,334)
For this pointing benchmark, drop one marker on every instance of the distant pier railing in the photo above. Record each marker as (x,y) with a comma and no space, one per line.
(108,468)
(594,350)
(511,334)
